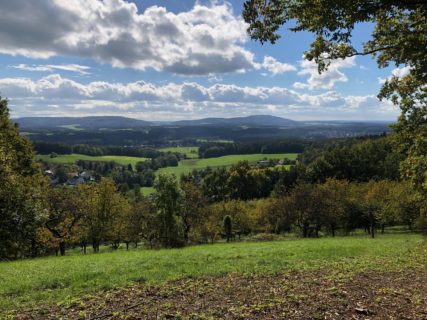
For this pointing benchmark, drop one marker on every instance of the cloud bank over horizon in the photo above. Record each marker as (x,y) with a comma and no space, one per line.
(55,95)
(116,57)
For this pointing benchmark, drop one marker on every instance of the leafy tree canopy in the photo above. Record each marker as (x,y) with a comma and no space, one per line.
(399,38)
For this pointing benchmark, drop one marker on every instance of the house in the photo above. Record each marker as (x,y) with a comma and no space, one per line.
(74,181)
(87,176)
(49,173)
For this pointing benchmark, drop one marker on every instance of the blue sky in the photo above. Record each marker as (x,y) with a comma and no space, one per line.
(165,60)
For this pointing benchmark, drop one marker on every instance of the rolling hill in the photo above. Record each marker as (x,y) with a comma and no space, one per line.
(109,122)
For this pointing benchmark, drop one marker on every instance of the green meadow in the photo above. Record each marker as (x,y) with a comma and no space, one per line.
(190,152)
(186,166)
(59,280)
(72,158)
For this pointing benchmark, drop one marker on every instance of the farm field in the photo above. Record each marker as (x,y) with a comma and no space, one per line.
(190,152)
(50,282)
(186,166)
(72,158)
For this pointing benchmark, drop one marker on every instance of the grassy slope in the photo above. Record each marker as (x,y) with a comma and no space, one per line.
(190,152)
(60,279)
(72,158)
(186,166)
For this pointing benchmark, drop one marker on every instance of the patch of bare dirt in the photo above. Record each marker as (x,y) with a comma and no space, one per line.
(299,295)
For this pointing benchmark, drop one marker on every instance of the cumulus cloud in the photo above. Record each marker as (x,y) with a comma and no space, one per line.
(325,80)
(55,95)
(83,70)
(205,40)
(276,67)
(399,72)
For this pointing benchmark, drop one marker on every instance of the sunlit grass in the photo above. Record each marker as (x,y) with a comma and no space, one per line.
(186,166)
(73,158)
(190,152)
(54,279)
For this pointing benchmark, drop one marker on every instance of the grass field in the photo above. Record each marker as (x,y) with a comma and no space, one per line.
(72,158)
(186,166)
(60,280)
(190,152)
(74,127)
(146,191)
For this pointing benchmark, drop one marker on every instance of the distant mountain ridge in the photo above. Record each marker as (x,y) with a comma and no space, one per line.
(116,122)
(95,122)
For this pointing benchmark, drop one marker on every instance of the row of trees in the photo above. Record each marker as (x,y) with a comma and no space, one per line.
(46,147)
(180,213)
(218,149)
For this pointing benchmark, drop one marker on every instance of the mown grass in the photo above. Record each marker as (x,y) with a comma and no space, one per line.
(190,152)
(72,158)
(186,166)
(54,280)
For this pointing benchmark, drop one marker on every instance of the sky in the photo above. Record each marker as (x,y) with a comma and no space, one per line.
(173,60)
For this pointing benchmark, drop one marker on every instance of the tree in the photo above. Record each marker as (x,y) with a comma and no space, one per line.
(215,186)
(304,203)
(65,211)
(193,206)
(105,208)
(22,191)
(228,227)
(167,199)
(399,38)
(333,194)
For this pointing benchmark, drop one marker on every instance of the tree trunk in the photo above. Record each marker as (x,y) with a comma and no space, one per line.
(186,232)
(95,246)
(127,245)
(382,228)
(62,248)
(305,231)
(333,231)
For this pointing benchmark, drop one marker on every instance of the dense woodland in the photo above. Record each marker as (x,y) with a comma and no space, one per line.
(335,188)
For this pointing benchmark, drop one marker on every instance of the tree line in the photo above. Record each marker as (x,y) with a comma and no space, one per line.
(46,147)
(218,149)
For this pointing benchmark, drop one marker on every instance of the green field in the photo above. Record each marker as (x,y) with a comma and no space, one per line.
(54,280)
(72,158)
(190,152)
(146,191)
(74,127)
(186,166)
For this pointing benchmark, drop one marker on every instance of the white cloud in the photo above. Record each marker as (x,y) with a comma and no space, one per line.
(83,70)
(399,72)
(205,40)
(276,67)
(55,95)
(325,80)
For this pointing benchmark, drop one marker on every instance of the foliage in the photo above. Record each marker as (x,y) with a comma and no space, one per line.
(399,37)
(167,199)
(22,192)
